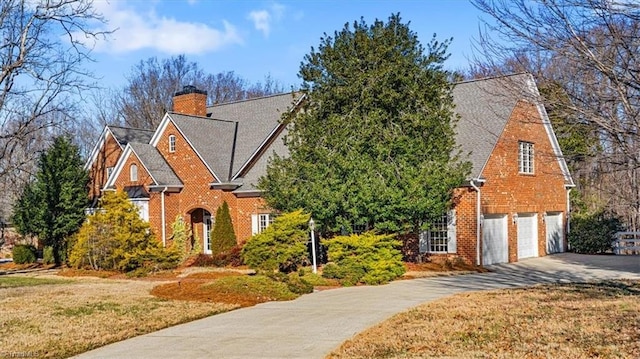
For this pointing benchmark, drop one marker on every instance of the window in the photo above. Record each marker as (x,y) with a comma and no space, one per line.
(525,157)
(143,207)
(172,143)
(260,222)
(133,173)
(206,231)
(109,171)
(441,235)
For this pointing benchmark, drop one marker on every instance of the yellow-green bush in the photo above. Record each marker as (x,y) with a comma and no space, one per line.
(282,246)
(367,258)
(116,238)
(183,243)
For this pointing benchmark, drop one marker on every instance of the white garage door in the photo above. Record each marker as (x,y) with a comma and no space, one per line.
(527,235)
(495,248)
(555,240)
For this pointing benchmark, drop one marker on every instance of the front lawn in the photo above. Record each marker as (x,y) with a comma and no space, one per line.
(14,281)
(71,316)
(551,321)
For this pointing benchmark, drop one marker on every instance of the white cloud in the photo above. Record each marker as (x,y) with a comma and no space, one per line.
(261,21)
(138,30)
(265,18)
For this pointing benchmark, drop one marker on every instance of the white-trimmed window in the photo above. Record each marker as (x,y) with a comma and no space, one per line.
(172,143)
(143,207)
(109,171)
(260,222)
(441,235)
(525,157)
(207,226)
(133,173)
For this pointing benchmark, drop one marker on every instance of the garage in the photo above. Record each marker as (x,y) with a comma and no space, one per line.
(554,230)
(527,235)
(495,247)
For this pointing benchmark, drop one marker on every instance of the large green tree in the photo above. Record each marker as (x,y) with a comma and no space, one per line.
(374,144)
(52,205)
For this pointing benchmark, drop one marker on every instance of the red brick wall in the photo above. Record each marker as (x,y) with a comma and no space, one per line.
(466,223)
(508,191)
(108,156)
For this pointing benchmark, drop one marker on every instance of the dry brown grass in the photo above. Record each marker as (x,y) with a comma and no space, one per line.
(555,321)
(60,320)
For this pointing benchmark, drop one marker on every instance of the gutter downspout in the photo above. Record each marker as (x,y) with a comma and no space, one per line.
(568,218)
(478,218)
(162,215)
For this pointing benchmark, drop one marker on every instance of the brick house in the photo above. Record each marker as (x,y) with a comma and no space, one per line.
(516,201)
(197,158)
(513,206)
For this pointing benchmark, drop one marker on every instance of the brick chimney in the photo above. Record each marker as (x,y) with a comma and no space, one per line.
(190,101)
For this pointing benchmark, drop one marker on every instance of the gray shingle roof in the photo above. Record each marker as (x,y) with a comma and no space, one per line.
(484,107)
(125,135)
(155,164)
(212,139)
(257,118)
(259,167)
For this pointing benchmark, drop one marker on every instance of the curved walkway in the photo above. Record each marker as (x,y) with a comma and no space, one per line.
(313,325)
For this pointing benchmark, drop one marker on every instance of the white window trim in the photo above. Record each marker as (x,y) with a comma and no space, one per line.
(172,143)
(260,222)
(526,157)
(133,172)
(110,171)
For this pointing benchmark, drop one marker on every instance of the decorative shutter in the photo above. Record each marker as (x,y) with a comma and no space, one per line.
(451,231)
(254,224)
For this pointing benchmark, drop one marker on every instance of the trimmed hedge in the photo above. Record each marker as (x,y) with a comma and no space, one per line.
(367,258)
(23,253)
(593,233)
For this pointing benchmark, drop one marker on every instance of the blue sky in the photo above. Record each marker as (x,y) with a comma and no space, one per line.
(256,38)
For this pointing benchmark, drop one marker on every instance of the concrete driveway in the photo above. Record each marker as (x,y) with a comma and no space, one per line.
(313,325)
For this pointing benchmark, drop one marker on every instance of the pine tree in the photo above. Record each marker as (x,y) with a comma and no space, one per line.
(51,207)
(374,143)
(223,238)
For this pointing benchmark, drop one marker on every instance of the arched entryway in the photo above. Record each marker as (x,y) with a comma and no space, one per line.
(201,226)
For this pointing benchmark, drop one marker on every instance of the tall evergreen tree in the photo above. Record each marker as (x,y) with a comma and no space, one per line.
(52,205)
(223,238)
(374,144)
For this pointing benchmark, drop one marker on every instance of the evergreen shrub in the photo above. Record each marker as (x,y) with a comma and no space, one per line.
(47,255)
(223,238)
(23,254)
(282,246)
(593,233)
(367,258)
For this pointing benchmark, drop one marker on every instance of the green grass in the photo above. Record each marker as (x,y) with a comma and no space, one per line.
(257,286)
(12,282)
